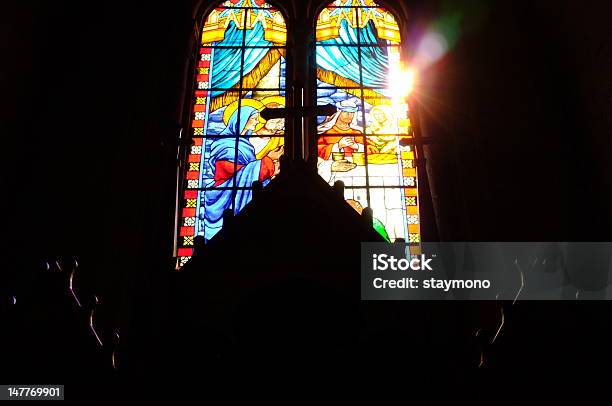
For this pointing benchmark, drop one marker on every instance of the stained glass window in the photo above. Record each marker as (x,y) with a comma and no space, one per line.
(366,143)
(240,71)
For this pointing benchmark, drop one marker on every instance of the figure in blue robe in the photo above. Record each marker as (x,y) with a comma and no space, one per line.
(246,170)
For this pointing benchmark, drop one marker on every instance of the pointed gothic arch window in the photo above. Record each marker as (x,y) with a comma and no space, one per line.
(240,71)
(366,144)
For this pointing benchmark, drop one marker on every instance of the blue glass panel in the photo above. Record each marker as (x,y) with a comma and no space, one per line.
(345,61)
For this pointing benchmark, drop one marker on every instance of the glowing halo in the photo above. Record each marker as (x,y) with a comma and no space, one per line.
(232,107)
(274,142)
(383,108)
(273,99)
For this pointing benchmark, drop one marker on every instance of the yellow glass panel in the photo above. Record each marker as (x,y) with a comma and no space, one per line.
(407,155)
(218,21)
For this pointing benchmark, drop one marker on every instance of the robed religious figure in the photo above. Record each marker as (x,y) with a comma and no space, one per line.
(234,163)
(341,133)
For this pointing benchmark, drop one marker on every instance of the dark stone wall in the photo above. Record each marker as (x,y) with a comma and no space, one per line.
(521,106)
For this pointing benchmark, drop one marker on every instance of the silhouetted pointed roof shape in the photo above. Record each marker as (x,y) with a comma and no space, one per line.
(283,277)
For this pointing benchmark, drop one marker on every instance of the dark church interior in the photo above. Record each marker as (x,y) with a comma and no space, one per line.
(95,97)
